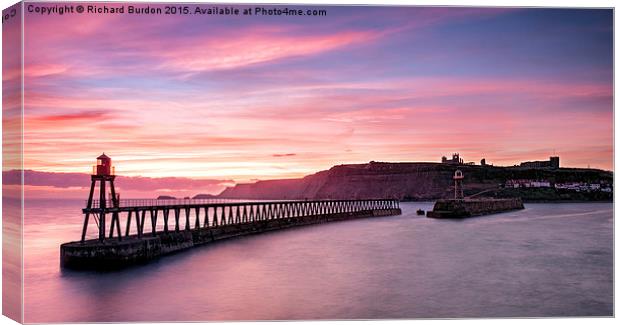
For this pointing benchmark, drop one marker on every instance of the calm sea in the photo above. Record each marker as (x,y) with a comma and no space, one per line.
(547,260)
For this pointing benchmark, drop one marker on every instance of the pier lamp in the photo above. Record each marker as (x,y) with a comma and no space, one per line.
(458,185)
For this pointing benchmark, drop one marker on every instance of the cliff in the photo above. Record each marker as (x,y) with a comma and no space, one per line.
(404,181)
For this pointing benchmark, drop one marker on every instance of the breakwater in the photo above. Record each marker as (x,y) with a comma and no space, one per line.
(234,220)
(473,207)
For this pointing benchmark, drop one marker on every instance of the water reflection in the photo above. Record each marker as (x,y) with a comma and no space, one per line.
(547,260)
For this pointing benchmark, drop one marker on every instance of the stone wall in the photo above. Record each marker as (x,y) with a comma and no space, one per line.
(469,208)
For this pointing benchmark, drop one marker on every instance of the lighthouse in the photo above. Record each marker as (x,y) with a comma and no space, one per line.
(102,176)
(458,185)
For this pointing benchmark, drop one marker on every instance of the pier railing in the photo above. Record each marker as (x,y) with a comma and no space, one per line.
(185,215)
(160,202)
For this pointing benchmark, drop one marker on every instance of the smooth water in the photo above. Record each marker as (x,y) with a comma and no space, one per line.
(546,260)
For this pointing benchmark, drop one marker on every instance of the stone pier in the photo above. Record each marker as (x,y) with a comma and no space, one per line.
(120,252)
(473,207)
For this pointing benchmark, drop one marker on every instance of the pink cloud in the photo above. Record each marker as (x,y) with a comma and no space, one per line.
(43,70)
(61,119)
(256,47)
(233,48)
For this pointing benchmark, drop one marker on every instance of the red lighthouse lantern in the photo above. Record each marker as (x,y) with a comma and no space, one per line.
(102,177)
(104,166)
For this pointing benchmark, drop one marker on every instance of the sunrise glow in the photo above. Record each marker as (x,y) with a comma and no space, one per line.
(240,98)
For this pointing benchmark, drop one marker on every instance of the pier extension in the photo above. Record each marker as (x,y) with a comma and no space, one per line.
(473,207)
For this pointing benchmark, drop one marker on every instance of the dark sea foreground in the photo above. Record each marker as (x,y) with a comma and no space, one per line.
(546,260)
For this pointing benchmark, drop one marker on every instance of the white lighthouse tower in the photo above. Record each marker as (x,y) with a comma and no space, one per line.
(458,185)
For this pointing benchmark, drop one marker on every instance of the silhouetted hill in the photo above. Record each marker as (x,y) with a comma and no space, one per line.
(405,181)
(203,196)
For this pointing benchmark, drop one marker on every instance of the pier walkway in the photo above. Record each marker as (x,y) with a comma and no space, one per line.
(181,215)
(140,230)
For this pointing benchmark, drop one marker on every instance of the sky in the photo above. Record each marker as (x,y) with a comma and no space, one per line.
(244,98)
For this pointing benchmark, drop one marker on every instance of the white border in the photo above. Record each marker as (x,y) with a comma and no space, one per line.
(487,3)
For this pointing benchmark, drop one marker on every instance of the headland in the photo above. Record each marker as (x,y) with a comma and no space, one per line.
(533,181)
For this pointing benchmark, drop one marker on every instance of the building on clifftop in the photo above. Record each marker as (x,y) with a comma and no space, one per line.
(553,162)
(456,160)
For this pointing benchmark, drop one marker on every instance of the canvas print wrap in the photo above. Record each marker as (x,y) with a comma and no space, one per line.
(12,160)
(234,162)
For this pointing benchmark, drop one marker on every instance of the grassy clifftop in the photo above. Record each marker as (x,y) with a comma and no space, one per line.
(414,181)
